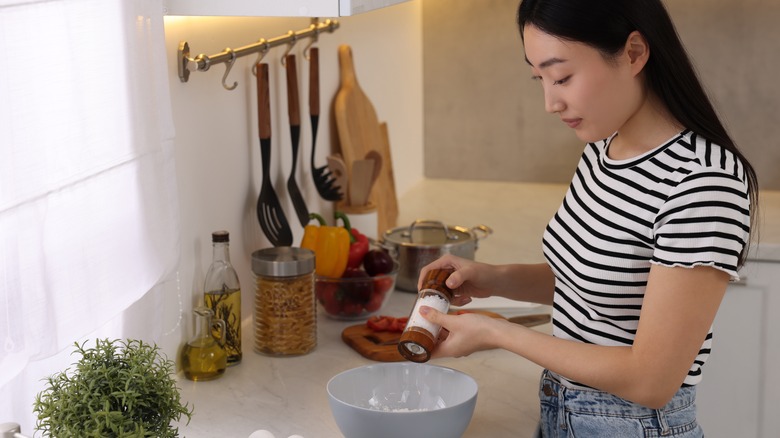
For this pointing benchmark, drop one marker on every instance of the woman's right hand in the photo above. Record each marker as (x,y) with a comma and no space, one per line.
(468,280)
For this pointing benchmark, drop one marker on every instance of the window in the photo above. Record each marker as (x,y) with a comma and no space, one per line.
(88,202)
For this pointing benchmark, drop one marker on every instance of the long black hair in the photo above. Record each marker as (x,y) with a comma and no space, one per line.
(606,24)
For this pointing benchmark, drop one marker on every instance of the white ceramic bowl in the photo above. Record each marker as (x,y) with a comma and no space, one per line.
(402,399)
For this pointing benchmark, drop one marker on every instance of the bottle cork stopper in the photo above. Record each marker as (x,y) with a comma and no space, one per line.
(220,236)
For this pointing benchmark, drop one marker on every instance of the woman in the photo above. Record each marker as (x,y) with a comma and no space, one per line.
(655,223)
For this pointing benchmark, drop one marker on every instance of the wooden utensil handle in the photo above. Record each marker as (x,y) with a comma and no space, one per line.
(314,81)
(263,101)
(293,106)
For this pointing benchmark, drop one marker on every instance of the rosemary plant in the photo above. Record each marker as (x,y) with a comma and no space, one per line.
(117,389)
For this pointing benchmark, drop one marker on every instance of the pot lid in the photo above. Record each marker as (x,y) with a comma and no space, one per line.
(429,233)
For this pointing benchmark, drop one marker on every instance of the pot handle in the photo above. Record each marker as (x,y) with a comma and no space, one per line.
(409,233)
(481,231)
(391,249)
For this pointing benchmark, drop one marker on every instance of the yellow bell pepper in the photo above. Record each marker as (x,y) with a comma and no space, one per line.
(330,246)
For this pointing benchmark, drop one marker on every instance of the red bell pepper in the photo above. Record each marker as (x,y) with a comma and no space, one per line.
(358,246)
(357,249)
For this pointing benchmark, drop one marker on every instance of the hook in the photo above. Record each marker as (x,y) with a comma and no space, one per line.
(228,66)
(261,54)
(316,31)
(294,40)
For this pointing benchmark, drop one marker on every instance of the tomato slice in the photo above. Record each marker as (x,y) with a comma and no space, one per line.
(399,324)
(384,323)
(378,323)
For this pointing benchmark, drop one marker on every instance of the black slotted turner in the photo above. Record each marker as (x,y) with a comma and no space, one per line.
(294,112)
(324,181)
(269,209)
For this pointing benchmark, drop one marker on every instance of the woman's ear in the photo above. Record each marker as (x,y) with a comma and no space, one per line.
(638,51)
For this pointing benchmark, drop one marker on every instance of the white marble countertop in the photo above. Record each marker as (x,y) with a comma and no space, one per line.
(287,396)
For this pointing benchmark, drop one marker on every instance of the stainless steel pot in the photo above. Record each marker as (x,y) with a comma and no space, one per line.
(425,241)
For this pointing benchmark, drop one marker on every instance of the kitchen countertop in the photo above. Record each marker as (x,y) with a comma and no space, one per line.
(287,395)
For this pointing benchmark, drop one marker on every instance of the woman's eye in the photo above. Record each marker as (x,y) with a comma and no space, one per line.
(562,81)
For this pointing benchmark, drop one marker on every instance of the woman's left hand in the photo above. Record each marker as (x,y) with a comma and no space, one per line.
(464,334)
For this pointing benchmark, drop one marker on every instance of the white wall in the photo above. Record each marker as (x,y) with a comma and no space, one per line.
(218,160)
(217,148)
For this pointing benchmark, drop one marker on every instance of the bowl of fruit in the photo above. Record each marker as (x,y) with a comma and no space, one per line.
(363,288)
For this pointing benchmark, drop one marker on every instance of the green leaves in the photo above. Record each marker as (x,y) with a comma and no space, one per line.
(118,389)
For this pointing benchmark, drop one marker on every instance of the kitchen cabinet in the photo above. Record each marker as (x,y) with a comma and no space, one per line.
(274,8)
(736,396)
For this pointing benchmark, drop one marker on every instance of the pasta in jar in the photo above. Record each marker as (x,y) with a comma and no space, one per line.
(285,319)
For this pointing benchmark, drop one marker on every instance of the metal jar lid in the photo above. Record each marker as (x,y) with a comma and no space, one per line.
(282,261)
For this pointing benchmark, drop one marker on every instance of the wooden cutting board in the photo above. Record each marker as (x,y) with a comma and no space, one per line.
(356,119)
(359,131)
(378,346)
(381,346)
(383,194)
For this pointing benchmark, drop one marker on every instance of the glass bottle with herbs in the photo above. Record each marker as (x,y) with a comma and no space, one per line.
(223,295)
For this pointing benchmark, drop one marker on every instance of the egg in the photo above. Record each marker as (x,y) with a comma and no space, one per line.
(261,434)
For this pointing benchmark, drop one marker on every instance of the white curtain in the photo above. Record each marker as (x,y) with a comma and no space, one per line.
(88,203)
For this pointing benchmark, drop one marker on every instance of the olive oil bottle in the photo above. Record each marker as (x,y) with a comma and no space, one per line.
(203,358)
(222,294)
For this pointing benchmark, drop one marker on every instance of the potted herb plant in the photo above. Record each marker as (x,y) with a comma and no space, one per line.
(119,388)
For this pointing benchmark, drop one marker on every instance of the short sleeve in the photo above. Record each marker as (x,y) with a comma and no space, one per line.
(705,221)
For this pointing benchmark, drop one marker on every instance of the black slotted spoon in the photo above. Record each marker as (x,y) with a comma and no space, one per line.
(294,111)
(269,210)
(324,180)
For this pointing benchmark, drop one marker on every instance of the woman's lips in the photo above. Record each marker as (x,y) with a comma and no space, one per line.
(573,123)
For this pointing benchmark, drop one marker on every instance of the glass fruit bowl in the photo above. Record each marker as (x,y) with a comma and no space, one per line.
(354,298)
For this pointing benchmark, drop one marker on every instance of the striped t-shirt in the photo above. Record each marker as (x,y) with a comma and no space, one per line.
(684,203)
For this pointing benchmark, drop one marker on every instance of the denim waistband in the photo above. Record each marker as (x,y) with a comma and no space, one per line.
(592,401)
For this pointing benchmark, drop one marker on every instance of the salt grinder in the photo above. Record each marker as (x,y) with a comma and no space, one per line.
(420,335)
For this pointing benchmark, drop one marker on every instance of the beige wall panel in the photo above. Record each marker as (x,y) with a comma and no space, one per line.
(485,118)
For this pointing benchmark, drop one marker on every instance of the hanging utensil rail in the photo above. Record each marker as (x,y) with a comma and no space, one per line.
(228,56)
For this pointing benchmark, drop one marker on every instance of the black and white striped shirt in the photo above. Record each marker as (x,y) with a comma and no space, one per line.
(684,203)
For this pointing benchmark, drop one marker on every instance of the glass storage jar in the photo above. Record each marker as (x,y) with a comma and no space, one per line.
(285,317)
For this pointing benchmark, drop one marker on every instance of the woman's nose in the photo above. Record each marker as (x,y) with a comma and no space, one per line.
(552,102)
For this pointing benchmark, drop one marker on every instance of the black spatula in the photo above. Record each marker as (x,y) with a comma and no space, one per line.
(293,109)
(324,180)
(269,210)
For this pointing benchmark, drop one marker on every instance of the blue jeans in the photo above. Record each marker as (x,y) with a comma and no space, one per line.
(579,413)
